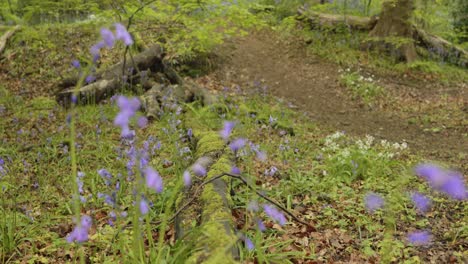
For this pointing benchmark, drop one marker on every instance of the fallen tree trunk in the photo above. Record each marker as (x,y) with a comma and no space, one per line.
(109,81)
(216,243)
(330,21)
(6,36)
(435,44)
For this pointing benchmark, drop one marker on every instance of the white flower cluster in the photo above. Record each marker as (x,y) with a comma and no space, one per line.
(331,141)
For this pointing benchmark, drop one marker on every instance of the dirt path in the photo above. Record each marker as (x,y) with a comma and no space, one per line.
(313,85)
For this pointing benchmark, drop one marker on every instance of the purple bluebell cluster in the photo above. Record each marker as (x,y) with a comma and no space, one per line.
(3,170)
(274,214)
(128,108)
(109,39)
(228,126)
(199,169)
(237,144)
(373,202)
(153,180)
(248,243)
(421,202)
(420,238)
(448,182)
(144,206)
(187,178)
(235,170)
(80,232)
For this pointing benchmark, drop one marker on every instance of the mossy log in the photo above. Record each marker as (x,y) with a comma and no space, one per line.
(216,243)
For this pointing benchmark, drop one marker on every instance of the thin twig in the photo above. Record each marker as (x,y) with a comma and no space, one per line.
(243,180)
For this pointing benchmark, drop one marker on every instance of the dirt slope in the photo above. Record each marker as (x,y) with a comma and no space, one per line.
(313,84)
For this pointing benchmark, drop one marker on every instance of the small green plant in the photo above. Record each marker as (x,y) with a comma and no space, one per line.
(361,87)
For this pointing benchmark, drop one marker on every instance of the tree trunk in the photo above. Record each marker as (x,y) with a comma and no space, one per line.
(393,32)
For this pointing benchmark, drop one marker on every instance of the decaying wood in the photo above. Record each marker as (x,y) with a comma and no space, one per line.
(330,21)
(160,96)
(6,36)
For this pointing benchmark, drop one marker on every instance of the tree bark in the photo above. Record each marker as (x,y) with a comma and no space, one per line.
(393,32)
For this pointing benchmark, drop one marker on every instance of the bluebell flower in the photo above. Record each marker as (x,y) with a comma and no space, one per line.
(153,180)
(142,122)
(248,243)
(420,238)
(274,214)
(187,178)
(144,207)
(421,202)
(121,33)
(454,186)
(235,170)
(76,64)
(108,37)
(198,169)
(237,144)
(80,232)
(227,129)
(373,202)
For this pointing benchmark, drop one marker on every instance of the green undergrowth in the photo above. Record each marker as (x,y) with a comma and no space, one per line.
(320,176)
(343,47)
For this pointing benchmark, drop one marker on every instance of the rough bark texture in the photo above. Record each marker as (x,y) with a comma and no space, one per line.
(394,24)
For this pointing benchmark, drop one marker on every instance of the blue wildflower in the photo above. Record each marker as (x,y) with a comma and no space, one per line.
(237,144)
(142,122)
(153,180)
(420,238)
(199,169)
(235,170)
(80,232)
(248,243)
(373,202)
(144,207)
(421,202)
(121,33)
(187,178)
(274,214)
(108,37)
(76,64)
(227,129)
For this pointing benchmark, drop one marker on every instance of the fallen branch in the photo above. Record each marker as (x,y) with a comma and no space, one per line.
(244,181)
(6,36)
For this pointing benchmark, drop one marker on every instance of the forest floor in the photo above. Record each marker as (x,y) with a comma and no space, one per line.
(430,116)
(323,177)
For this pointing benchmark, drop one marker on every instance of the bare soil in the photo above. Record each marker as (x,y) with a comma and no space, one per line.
(312,83)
